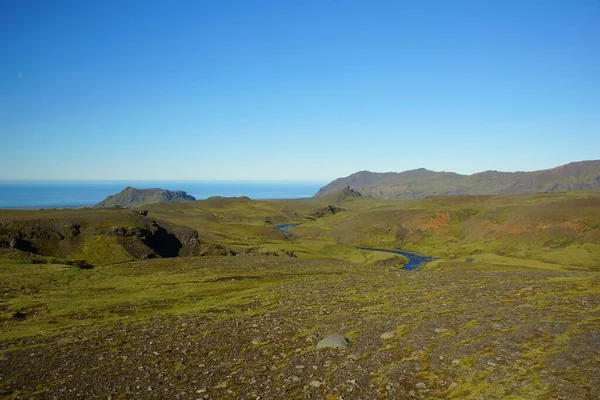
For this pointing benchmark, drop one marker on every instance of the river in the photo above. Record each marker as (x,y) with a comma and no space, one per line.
(414,260)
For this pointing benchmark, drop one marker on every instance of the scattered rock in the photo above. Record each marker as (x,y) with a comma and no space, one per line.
(455,362)
(440,330)
(334,341)
(421,386)
(316,384)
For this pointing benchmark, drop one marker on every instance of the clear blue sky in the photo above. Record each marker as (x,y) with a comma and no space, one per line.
(295,89)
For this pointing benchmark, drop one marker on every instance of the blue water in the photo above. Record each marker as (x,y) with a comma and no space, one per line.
(414,260)
(46,194)
(285,227)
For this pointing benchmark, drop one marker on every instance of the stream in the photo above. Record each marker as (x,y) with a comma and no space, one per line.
(414,260)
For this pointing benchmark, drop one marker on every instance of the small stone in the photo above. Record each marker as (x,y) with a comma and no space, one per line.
(316,384)
(412,393)
(256,341)
(300,367)
(387,335)
(455,362)
(352,357)
(421,386)
(440,330)
(201,390)
(453,385)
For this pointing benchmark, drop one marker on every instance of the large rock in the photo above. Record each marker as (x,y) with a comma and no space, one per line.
(334,341)
(388,335)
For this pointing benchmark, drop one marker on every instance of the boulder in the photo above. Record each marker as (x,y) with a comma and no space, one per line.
(387,335)
(334,341)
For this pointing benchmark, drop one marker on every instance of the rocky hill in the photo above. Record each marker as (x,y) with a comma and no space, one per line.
(97,236)
(420,183)
(132,197)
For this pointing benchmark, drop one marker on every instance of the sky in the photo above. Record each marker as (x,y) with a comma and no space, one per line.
(295,89)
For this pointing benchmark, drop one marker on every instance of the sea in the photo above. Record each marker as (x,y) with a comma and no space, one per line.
(73,194)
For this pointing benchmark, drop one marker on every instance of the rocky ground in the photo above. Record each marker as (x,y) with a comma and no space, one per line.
(460,332)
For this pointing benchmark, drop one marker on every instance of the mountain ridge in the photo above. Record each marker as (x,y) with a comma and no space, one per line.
(421,182)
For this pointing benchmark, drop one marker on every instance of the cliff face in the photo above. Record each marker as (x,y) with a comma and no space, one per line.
(132,197)
(422,182)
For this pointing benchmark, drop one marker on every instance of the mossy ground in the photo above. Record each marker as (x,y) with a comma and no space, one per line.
(246,327)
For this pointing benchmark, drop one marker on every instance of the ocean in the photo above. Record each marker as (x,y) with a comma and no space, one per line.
(63,194)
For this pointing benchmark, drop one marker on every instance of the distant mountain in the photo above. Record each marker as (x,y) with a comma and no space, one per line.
(421,182)
(132,197)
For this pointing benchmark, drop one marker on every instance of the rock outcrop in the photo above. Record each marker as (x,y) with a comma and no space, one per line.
(325,211)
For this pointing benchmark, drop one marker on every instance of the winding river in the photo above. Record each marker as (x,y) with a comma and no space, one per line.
(414,260)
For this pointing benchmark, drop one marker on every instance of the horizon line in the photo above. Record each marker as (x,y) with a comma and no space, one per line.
(164,180)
